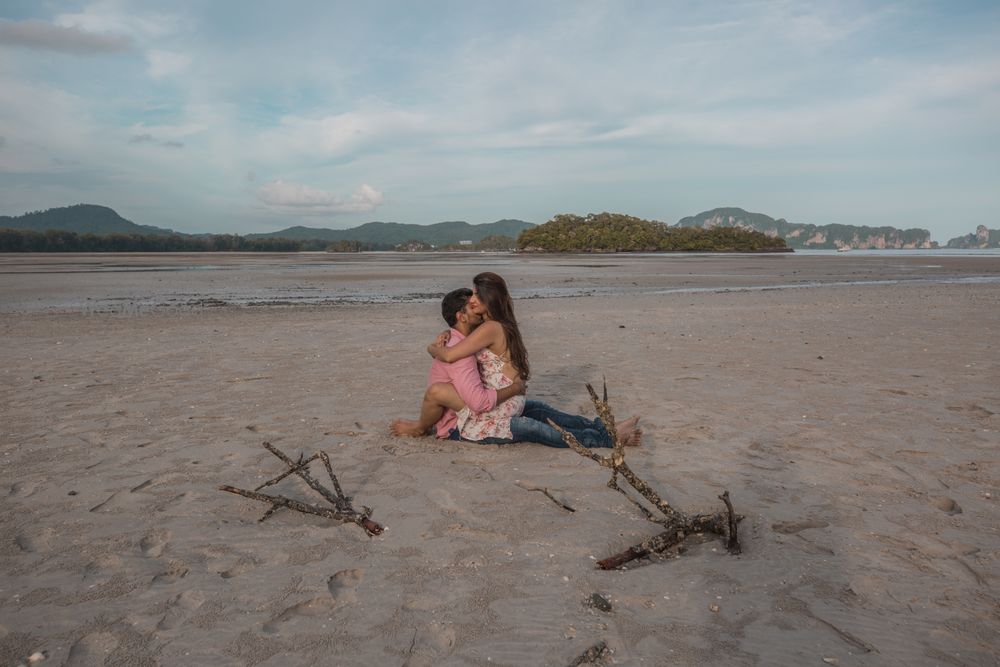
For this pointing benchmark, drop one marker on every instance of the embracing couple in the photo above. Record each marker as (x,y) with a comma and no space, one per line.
(479,377)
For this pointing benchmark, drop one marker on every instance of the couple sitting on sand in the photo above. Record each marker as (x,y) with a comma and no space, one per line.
(484,402)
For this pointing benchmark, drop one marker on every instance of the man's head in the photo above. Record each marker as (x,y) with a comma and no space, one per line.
(454,309)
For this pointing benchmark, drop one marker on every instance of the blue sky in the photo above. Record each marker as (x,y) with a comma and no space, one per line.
(249,117)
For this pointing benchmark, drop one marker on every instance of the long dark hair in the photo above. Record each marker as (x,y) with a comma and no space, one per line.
(492,291)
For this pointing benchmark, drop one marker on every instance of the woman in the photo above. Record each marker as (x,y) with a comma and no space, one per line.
(502,360)
(500,353)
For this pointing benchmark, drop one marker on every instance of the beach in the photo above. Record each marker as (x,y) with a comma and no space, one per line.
(850,404)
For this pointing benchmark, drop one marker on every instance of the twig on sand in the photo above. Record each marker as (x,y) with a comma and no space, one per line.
(544,490)
(678,525)
(598,651)
(342,509)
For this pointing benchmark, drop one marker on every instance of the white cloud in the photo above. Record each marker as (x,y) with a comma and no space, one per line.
(305,199)
(67,39)
(167,63)
(110,16)
(45,127)
(141,131)
(341,133)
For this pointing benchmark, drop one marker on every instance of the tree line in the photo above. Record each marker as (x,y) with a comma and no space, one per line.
(616,232)
(52,240)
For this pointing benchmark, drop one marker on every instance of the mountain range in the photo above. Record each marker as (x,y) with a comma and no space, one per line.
(395,233)
(82,219)
(101,220)
(799,235)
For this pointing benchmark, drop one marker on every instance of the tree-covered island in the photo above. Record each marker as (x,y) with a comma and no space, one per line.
(616,232)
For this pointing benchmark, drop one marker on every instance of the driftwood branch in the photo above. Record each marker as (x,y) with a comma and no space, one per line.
(342,509)
(595,653)
(678,525)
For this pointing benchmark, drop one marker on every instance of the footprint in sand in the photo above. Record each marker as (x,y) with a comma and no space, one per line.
(175,570)
(946,505)
(92,649)
(152,545)
(180,608)
(792,527)
(241,567)
(22,489)
(342,587)
(102,567)
(430,643)
(33,540)
(443,499)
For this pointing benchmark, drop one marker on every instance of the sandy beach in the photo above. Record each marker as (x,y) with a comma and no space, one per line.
(850,404)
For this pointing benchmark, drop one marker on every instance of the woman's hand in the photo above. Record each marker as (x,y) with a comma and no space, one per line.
(436,348)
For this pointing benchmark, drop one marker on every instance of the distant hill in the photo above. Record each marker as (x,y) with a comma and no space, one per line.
(616,232)
(799,235)
(982,238)
(81,219)
(395,233)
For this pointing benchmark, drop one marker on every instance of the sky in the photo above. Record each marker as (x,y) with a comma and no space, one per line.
(243,117)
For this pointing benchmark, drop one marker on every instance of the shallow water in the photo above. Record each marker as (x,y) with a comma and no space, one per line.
(137,283)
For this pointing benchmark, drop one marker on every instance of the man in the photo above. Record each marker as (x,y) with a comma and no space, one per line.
(462,374)
(531,426)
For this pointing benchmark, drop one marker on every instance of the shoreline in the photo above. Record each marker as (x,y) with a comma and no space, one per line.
(144,282)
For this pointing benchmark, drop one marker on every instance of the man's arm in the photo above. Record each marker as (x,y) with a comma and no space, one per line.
(519,386)
(464,375)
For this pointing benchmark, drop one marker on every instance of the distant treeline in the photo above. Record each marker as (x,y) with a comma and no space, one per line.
(495,243)
(616,232)
(21,240)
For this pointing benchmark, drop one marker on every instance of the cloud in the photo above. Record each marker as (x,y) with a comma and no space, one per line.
(342,134)
(66,39)
(107,16)
(304,199)
(147,138)
(167,63)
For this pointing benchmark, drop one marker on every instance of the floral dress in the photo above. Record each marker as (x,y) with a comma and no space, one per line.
(496,422)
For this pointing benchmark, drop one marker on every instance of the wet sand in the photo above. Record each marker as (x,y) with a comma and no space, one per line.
(855,425)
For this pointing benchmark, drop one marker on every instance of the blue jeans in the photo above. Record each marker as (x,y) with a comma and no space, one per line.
(532,426)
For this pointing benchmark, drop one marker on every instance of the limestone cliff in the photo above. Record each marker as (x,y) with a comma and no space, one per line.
(982,238)
(799,235)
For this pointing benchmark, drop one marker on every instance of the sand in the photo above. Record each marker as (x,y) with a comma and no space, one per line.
(855,425)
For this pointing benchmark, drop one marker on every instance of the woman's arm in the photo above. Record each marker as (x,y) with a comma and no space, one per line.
(485,335)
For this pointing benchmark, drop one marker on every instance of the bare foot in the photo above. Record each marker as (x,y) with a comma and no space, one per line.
(406,427)
(628,425)
(631,438)
(628,433)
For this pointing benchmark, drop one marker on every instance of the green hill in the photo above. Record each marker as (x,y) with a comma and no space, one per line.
(615,232)
(395,233)
(81,219)
(799,235)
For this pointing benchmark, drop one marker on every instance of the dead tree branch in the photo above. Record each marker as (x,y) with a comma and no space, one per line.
(597,652)
(678,525)
(342,509)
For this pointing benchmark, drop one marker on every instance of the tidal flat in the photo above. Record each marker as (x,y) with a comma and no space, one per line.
(849,403)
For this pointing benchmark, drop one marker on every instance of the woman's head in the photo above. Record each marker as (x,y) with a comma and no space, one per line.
(491,299)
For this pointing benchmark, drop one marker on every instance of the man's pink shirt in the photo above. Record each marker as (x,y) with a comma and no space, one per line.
(464,374)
